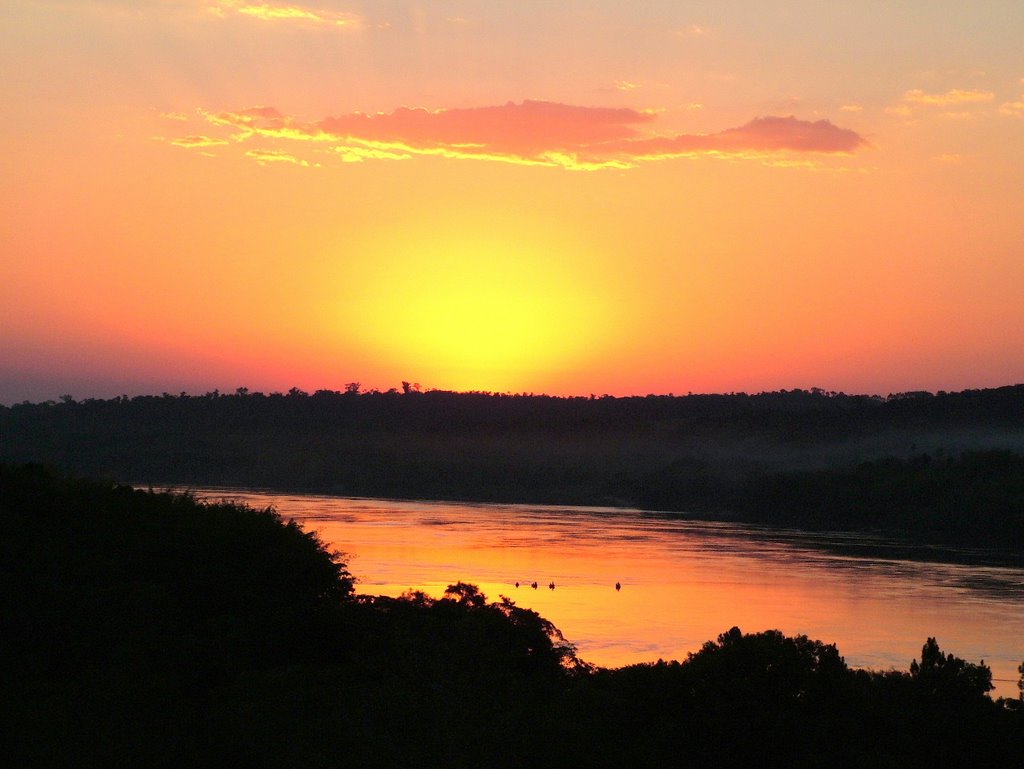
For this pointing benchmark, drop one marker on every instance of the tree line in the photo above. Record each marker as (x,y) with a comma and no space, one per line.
(943,467)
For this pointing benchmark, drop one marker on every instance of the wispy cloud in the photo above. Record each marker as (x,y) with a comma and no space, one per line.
(197,140)
(955,104)
(278,156)
(693,30)
(900,110)
(282,12)
(1013,108)
(953,97)
(529,133)
(357,154)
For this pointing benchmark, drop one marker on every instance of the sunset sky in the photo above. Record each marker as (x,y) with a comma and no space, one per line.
(564,197)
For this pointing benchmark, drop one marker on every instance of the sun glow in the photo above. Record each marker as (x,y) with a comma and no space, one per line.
(477,311)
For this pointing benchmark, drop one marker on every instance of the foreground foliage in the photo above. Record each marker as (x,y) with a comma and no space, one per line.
(152,630)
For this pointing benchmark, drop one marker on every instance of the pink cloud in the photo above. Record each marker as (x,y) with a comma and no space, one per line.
(760,135)
(527,129)
(768,134)
(536,132)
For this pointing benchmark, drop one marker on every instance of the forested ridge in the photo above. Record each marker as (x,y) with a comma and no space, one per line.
(943,467)
(150,629)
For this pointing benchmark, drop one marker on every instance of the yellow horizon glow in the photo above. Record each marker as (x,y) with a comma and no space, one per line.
(475,309)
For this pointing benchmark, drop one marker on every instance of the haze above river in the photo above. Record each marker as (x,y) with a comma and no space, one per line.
(683,581)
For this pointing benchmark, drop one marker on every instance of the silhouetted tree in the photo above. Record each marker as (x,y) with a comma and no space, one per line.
(949,676)
(465,594)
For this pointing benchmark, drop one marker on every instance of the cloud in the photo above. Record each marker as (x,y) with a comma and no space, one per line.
(357,154)
(952,97)
(282,12)
(789,133)
(693,30)
(1013,108)
(532,133)
(277,156)
(759,136)
(527,129)
(252,114)
(197,140)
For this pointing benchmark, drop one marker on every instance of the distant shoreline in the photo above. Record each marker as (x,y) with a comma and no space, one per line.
(945,470)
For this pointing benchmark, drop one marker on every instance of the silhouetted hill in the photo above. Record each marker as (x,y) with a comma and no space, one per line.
(797,457)
(151,630)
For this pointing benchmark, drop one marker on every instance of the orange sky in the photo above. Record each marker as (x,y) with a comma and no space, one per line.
(567,197)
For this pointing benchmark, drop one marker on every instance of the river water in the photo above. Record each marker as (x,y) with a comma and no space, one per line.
(683,582)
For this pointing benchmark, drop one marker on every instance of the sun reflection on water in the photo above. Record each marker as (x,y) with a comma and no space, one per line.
(683,581)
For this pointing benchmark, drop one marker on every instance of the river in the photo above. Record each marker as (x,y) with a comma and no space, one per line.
(683,581)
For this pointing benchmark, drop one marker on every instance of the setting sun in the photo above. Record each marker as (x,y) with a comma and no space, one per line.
(477,311)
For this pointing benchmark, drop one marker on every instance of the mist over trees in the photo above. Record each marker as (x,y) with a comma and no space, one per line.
(152,630)
(946,467)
